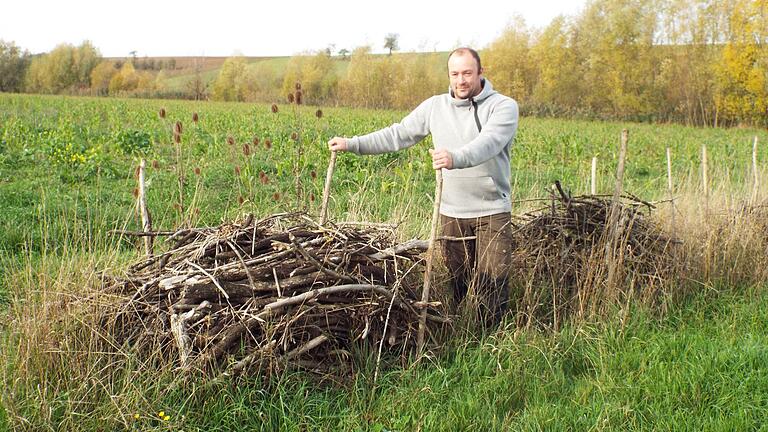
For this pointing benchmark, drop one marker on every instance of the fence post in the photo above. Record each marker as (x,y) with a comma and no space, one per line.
(612,228)
(593,184)
(704,179)
(755,174)
(146,220)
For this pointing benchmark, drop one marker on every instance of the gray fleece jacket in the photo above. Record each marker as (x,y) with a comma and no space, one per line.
(478,185)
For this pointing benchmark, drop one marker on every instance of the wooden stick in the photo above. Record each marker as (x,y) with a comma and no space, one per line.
(142,233)
(593,184)
(429,259)
(669,185)
(146,219)
(754,170)
(327,189)
(704,180)
(613,216)
(620,168)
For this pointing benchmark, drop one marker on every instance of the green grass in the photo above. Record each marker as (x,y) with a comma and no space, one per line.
(700,367)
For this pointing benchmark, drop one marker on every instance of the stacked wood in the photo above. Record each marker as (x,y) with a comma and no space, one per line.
(273,293)
(562,252)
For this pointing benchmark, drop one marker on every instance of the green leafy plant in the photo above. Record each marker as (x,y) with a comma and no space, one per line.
(133,142)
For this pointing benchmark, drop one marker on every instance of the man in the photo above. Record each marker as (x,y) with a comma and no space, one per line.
(472,127)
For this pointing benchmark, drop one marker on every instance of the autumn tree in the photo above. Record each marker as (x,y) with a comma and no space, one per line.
(316,73)
(13,66)
(65,69)
(231,83)
(507,62)
(742,88)
(101,76)
(555,92)
(368,80)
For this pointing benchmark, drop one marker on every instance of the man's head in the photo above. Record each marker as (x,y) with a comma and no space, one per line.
(465,73)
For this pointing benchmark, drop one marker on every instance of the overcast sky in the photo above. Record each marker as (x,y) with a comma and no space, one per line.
(265,28)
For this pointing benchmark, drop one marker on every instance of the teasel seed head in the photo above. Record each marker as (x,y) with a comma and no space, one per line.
(195,117)
(237,169)
(276,196)
(298,97)
(230,140)
(263,178)
(274,108)
(177,138)
(319,113)
(290,98)
(246,150)
(161,113)
(177,127)
(256,141)
(155,164)
(294,136)
(135,192)
(268,143)
(298,85)
(313,174)
(240,199)
(312,197)
(197,171)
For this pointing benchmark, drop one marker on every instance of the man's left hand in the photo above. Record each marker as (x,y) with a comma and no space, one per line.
(441,159)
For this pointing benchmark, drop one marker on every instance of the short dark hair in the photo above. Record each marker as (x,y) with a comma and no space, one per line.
(470,51)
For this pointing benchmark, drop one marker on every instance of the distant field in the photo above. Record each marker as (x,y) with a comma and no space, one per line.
(209,67)
(67,177)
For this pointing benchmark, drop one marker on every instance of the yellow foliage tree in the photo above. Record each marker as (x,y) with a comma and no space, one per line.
(368,80)
(317,75)
(742,90)
(232,82)
(508,64)
(101,76)
(65,69)
(419,77)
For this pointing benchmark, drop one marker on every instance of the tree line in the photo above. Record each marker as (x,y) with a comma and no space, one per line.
(700,62)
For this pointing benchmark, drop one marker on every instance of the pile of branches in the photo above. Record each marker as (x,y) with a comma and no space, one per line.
(271,294)
(585,254)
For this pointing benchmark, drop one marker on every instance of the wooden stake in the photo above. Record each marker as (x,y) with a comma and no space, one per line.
(669,185)
(327,189)
(613,218)
(620,169)
(754,170)
(704,180)
(429,259)
(146,219)
(593,184)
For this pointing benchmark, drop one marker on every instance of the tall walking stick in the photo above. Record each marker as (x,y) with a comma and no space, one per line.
(429,258)
(327,189)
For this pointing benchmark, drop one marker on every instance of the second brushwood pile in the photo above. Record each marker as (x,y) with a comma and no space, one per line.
(571,260)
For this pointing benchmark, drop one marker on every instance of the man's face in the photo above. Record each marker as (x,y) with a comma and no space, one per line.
(464,75)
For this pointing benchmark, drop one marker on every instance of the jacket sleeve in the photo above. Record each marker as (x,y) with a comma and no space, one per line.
(412,129)
(499,130)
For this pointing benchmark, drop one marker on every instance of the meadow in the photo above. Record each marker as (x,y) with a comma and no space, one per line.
(67,178)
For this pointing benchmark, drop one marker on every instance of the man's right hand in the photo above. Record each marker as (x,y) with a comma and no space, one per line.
(337,144)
